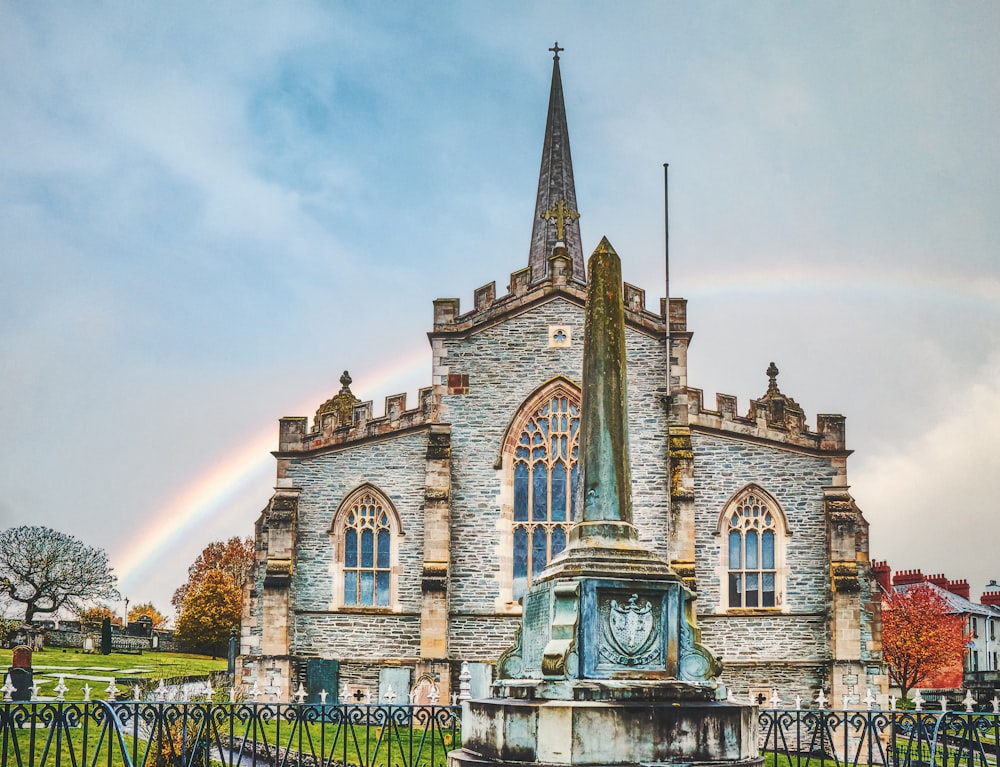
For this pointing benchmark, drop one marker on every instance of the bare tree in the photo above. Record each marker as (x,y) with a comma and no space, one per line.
(47,570)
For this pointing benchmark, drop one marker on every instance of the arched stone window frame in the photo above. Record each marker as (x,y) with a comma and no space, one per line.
(559,388)
(781,533)
(338,532)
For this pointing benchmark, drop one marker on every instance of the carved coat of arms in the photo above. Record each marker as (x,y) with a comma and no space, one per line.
(629,636)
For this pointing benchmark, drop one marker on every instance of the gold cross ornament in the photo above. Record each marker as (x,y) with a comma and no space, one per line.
(560,213)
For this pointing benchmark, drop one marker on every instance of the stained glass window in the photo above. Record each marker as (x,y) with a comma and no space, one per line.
(367,540)
(545,458)
(751,527)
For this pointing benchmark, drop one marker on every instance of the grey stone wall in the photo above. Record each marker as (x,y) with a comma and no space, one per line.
(394,465)
(481,637)
(723,466)
(506,363)
(798,629)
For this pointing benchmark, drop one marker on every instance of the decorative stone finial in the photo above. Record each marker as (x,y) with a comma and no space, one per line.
(772,374)
(341,405)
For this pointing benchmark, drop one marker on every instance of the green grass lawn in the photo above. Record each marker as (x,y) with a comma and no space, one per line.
(146,669)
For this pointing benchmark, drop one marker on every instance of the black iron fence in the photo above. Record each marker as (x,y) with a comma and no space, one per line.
(147,734)
(875,737)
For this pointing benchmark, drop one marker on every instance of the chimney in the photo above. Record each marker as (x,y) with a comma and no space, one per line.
(883,574)
(906,577)
(991,598)
(961,588)
(938,580)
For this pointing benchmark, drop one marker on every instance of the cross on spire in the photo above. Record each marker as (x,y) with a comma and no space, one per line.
(560,213)
(555,49)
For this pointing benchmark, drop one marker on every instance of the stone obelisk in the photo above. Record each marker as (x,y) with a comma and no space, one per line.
(607,668)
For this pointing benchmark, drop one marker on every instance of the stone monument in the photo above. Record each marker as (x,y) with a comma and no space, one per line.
(607,667)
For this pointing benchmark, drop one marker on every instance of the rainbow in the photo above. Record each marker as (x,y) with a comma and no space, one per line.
(238,470)
(249,463)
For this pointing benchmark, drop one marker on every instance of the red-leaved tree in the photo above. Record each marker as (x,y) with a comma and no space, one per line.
(920,638)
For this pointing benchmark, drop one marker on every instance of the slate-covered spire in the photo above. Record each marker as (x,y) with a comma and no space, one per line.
(555,207)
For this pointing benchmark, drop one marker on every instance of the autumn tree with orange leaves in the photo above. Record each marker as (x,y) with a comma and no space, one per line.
(233,557)
(919,636)
(209,605)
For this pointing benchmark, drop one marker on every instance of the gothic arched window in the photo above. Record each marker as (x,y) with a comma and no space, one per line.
(365,527)
(751,524)
(545,447)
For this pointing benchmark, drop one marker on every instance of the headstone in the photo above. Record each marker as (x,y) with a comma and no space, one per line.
(20,673)
(322,674)
(480,680)
(106,636)
(396,678)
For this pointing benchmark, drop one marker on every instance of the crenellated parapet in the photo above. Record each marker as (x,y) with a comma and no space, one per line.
(774,417)
(345,419)
(489,309)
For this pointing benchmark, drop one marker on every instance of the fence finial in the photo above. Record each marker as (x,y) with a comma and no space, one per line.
(821,699)
(869,699)
(969,701)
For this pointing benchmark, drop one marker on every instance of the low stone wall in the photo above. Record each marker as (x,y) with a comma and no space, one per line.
(76,639)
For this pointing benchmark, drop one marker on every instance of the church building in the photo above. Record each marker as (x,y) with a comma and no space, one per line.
(397,546)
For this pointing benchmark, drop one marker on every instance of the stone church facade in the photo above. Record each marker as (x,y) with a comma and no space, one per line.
(396,547)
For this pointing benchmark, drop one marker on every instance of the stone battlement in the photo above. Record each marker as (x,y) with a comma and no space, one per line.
(334,428)
(488,308)
(776,419)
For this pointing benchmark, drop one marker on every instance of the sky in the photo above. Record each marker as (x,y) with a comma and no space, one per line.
(209,211)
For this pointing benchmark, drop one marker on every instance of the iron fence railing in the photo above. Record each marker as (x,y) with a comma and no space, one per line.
(165,734)
(146,734)
(826,738)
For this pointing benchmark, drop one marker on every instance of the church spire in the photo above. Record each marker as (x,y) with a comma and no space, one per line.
(556,215)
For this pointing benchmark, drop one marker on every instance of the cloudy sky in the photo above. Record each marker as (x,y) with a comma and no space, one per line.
(207,212)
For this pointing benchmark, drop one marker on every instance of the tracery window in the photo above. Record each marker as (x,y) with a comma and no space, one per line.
(751,527)
(367,524)
(544,468)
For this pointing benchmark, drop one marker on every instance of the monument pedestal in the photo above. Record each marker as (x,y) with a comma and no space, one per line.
(558,732)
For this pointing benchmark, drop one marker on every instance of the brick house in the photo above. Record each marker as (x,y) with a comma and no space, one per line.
(397,546)
(979,670)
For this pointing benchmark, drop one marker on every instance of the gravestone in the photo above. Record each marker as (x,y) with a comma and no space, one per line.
(396,679)
(607,667)
(20,673)
(106,636)
(322,674)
